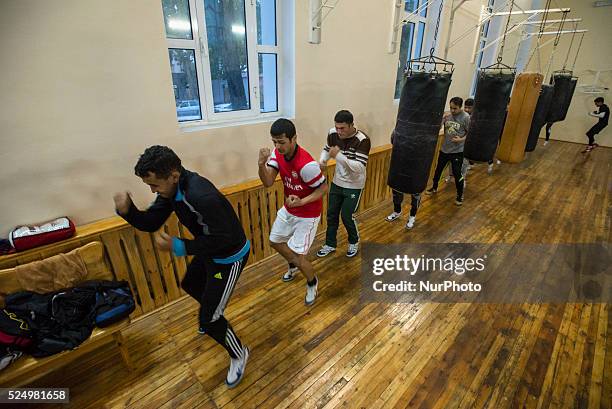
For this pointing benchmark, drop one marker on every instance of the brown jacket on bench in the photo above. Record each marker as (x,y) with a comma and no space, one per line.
(52,274)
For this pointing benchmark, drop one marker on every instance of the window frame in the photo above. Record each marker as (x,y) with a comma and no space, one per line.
(199,44)
(429,21)
(484,36)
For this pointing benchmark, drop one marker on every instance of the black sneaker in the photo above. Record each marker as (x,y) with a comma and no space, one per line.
(201,331)
(459,201)
(431,191)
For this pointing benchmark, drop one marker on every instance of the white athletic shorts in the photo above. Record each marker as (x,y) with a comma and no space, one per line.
(297,232)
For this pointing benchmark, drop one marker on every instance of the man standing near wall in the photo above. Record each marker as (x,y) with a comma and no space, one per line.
(456,124)
(351,148)
(220,246)
(295,227)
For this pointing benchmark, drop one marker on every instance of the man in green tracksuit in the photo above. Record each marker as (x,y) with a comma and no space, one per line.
(350,147)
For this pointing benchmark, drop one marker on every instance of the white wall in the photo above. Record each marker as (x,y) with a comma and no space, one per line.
(86,87)
(595,54)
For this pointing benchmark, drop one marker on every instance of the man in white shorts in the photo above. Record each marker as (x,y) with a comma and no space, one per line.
(304,185)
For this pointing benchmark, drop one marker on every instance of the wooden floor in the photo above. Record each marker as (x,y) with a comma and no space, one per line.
(340,353)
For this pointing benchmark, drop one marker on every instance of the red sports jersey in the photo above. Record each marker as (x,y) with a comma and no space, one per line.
(301,176)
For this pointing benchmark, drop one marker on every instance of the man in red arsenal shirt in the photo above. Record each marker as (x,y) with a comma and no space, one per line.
(296,222)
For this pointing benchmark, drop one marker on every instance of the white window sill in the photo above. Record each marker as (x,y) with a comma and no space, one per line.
(195,126)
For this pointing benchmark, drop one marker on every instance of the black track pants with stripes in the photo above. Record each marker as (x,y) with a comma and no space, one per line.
(212,284)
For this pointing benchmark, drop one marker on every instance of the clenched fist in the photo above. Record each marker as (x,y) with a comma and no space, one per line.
(123,201)
(333,151)
(163,241)
(264,154)
(293,201)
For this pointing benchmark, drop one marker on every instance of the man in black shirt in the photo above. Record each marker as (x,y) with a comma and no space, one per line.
(220,246)
(604,115)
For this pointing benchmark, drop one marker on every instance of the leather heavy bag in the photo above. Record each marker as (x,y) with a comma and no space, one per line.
(568,99)
(539,116)
(487,119)
(523,102)
(419,117)
(564,86)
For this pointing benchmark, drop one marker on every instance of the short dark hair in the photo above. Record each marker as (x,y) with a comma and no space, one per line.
(599,99)
(343,117)
(282,126)
(457,101)
(159,160)
(469,102)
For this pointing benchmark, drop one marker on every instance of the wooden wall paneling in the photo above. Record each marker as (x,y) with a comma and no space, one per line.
(169,275)
(272,203)
(245,219)
(380,181)
(254,211)
(116,255)
(432,169)
(264,211)
(138,272)
(152,270)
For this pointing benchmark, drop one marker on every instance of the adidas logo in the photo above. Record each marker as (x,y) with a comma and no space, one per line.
(218,275)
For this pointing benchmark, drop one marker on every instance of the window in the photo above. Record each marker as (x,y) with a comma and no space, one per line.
(484,36)
(413,37)
(224,58)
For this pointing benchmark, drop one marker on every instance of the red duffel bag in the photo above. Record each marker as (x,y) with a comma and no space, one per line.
(27,237)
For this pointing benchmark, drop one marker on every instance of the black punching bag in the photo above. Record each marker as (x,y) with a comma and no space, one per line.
(564,86)
(419,116)
(489,114)
(539,116)
(568,100)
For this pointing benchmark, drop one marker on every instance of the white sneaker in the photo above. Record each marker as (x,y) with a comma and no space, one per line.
(325,250)
(545,143)
(410,223)
(236,369)
(311,292)
(352,250)
(290,274)
(393,216)
(498,162)
(490,169)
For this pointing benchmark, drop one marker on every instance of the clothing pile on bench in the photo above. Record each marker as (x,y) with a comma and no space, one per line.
(46,324)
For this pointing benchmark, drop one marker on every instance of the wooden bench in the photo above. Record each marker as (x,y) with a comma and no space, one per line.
(28,368)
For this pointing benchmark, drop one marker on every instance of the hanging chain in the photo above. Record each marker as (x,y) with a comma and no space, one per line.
(570,46)
(549,63)
(501,49)
(433,45)
(563,17)
(544,19)
(555,43)
(539,58)
(541,29)
(577,51)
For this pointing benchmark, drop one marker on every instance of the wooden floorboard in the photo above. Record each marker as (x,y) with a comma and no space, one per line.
(341,353)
